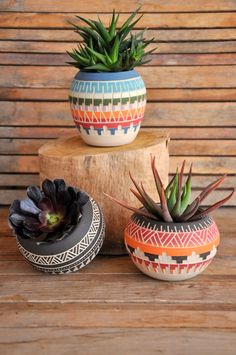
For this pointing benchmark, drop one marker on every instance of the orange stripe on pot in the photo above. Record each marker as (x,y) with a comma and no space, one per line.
(171,251)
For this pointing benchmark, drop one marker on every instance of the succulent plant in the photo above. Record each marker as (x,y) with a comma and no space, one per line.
(174,203)
(45,215)
(110,49)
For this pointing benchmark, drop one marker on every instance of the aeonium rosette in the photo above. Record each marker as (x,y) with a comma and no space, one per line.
(47,214)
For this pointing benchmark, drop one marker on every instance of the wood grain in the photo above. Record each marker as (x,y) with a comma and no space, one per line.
(103,339)
(151,20)
(8,195)
(48,59)
(162,114)
(110,307)
(66,35)
(84,6)
(202,310)
(176,147)
(175,132)
(169,95)
(168,77)
(161,48)
(23,180)
(202,165)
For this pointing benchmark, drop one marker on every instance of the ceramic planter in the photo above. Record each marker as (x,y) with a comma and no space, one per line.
(74,251)
(171,251)
(108,108)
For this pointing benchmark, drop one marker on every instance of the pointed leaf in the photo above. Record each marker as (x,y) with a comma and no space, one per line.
(149,202)
(34,193)
(156,209)
(135,210)
(211,187)
(99,67)
(185,198)
(158,182)
(165,212)
(189,212)
(171,201)
(212,208)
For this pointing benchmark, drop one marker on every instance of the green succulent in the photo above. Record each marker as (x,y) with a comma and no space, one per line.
(110,49)
(175,205)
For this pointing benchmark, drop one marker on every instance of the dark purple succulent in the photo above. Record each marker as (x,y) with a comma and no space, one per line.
(45,215)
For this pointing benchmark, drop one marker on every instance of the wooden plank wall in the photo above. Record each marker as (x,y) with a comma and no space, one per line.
(191,82)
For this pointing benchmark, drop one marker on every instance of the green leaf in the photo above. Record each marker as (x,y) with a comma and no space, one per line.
(169,186)
(100,56)
(88,22)
(108,59)
(112,28)
(176,211)
(185,198)
(129,19)
(171,201)
(77,56)
(102,31)
(115,50)
(99,67)
(126,30)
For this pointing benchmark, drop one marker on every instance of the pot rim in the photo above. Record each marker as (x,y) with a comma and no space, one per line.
(59,245)
(205,220)
(106,76)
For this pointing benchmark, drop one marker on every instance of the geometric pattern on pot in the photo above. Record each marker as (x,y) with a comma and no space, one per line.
(175,251)
(108,105)
(77,248)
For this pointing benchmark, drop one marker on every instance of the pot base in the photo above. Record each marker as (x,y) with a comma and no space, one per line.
(108,138)
(166,275)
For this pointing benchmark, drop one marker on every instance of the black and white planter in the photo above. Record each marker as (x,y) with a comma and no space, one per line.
(74,251)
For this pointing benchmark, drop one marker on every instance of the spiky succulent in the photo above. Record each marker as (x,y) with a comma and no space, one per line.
(174,203)
(45,215)
(109,49)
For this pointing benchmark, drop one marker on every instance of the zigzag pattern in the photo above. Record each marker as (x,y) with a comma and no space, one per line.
(191,238)
(71,253)
(119,114)
(96,105)
(79,263)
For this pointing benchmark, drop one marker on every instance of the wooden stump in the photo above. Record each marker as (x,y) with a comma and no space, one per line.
(97,170)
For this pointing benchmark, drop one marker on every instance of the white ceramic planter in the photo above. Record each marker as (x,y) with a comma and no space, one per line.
(108,108)
(171,251)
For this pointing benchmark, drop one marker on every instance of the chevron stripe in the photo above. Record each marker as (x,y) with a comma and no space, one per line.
(71,253)
(191,238)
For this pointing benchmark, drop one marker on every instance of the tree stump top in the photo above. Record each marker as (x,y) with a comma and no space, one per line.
(74,145)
